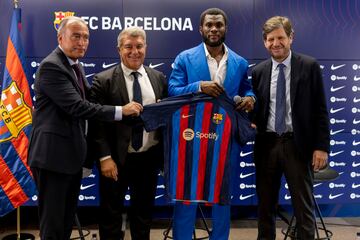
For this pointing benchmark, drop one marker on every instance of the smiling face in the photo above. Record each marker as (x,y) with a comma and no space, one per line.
(213,30)
(74,40)
(278,44)
(132,51)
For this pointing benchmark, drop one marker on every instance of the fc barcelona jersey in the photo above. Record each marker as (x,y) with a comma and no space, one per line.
(198,133)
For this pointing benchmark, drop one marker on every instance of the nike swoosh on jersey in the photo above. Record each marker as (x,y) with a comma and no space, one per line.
(246,175)
(244,154)
(108,65)
(186,116)
(334,67)
(246,196)
(86,187)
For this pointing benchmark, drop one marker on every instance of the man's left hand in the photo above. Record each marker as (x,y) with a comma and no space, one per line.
(246,104)
(320,159)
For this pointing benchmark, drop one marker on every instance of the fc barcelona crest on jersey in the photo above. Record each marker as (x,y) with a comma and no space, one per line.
(59,16)
(217,118)
(15,114)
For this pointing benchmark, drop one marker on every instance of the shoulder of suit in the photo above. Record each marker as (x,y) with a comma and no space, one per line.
(191,51)
(262,65)
(304,58)
(153,71)
(237,57)
(108,73)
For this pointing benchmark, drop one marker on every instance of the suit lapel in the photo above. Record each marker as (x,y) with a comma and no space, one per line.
(199,63)
(266,79)
(294,78)
(154,82)
(120,85)
(230,71)
(69,69)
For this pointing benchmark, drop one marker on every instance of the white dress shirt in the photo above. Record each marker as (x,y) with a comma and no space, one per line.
(217,71)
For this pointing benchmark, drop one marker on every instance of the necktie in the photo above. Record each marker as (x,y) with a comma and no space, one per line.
(80,78)
(137,131)
(280,102)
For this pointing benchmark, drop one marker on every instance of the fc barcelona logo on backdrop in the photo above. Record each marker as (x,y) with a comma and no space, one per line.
(59,16)
(14,113)
(217,118)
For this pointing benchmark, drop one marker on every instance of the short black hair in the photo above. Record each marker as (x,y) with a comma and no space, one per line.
(213,11)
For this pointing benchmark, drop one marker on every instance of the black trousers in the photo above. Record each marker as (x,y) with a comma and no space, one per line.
(57,202)
(274,156)
(139,173)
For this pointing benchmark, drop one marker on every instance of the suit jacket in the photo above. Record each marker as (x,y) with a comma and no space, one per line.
(57,141)
(109,87)
(190,67)
(310,118)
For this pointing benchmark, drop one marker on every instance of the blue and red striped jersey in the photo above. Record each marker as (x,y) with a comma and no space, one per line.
(198,133)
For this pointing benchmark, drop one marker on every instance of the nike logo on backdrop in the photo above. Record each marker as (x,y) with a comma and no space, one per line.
(356,100)
(89,75)
(335,196)
(333,89)
(355,143)
(356,121)
(108,65)
(355,185)
(336,132)
(334,67)
(155,65)
(356,78)
(354,164)
(332,110)
(86,187)
(335,153)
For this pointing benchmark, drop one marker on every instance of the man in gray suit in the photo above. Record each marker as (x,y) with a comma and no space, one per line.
(57,147)
(128,156)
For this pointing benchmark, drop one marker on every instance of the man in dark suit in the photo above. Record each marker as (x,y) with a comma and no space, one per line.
(293,129)
(57,145)
(128,155)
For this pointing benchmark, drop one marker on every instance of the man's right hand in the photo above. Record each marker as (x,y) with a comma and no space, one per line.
(109,169)
(211,88)
(132,109)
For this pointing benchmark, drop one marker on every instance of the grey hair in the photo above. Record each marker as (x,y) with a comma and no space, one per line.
(69,20)
(133,31)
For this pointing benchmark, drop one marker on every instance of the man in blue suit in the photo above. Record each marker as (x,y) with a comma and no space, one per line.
(211,68)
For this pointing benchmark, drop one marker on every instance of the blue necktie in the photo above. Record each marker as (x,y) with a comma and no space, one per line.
(280,126)
(137,131)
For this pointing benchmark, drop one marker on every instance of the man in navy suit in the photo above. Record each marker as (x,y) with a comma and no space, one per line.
(293,129)
(122,164)
(212,68)
(58,147)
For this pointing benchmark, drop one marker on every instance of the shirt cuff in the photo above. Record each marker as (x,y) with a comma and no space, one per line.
(104,158)
(118,113)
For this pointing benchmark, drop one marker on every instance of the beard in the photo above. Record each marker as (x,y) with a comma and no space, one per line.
(207,41)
